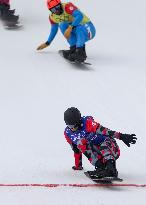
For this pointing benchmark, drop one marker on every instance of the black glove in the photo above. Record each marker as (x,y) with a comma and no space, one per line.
(77,168)
(128,139)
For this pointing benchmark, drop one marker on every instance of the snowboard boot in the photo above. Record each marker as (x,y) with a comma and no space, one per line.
(99,167)
(79,55)
(67,53)
(109,171)
(10,19)
(7,15)
(12,11)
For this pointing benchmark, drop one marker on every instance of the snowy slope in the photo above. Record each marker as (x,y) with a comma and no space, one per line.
(37,87)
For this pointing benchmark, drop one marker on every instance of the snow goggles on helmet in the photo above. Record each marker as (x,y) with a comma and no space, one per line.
(72,126)
(57,9)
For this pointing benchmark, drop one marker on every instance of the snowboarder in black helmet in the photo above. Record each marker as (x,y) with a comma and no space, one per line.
(72,118)
(95,141)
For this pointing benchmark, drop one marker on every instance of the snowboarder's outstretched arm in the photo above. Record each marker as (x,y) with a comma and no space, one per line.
(53,32)
(77,154)
(93,126)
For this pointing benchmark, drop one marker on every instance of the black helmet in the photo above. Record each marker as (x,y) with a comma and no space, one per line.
(72,116)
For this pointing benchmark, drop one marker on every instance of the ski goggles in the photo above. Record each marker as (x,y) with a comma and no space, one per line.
(73,128)
(56,9)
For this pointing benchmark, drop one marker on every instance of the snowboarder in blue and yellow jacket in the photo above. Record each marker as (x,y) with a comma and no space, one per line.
(74,25)
(95,141)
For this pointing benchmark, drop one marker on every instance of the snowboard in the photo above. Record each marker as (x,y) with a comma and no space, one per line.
(12,26)
(73,62)
(105,180)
